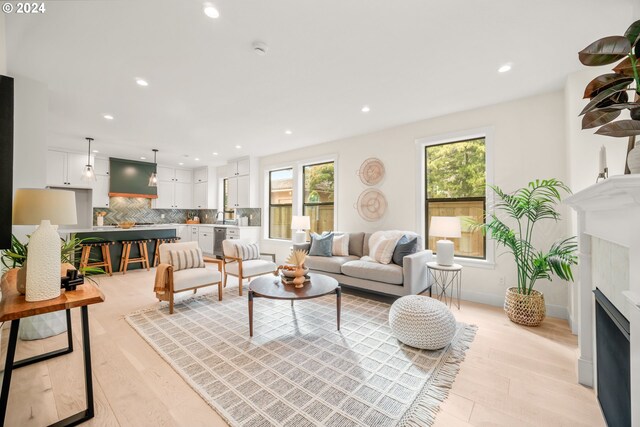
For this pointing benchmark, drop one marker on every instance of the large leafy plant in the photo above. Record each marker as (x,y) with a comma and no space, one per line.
(525,208)
(608,93)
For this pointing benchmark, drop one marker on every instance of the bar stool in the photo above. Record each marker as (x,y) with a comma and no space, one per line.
(106,256)
(156,253)
(126,252)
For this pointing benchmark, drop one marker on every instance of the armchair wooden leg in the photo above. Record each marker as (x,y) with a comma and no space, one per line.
(240,285)
(219,291)
(171,303)
(225,280)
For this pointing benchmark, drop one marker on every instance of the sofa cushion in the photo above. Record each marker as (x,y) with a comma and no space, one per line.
(406,246)
(321,245)
(329,264)
(382,245)
(386,273)
(365,244)
(194,277)
(340,245)
(356,244)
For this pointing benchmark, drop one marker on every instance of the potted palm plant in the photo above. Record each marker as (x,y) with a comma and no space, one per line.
(512,225)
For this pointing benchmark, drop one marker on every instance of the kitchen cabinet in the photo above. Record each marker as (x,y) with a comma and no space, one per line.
(100,193)
(200,199)
(184,233)
(174,195)
(167,174)
(238,167)
(238,189)
(194,233)
(65,169)
(101,166)
(206,240)
(200,175)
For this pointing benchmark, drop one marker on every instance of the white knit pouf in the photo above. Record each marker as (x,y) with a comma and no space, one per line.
(422,322)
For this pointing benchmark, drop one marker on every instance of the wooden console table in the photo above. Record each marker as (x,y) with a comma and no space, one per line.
(13,307)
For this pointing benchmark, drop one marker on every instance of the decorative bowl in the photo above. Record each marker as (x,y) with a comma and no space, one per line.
(126,224)
(292,273)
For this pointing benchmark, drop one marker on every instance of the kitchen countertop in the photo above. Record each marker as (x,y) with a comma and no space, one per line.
(146,227)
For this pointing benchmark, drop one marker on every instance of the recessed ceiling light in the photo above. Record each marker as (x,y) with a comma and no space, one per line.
(94,151)
(260,48)
(504,68)
(211,11)
(181,164)
(197,159)
(142,82)
(108,116)
(365,109)
(288,132)
(238,146)
(215,154)
(143,158)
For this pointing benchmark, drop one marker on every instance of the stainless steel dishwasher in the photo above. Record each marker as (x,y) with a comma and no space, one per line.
(219,235)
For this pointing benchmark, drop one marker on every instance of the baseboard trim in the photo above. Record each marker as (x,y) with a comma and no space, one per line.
(553,310)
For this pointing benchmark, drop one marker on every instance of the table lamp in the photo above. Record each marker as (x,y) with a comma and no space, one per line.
(445,226)
(45,207)
(300,224)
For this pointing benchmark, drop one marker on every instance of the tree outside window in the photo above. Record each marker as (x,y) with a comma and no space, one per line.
(318,198)
(455,182)
(280,203)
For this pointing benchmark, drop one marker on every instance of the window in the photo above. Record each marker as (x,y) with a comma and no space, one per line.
(280,203)
(455,185)
(229,213)
(318,196)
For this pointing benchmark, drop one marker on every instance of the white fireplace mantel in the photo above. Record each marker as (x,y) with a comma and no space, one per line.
(609,210)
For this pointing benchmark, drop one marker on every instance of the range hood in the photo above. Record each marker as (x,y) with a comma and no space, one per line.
(130,178)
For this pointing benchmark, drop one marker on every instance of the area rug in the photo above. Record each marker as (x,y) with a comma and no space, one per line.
(298,370)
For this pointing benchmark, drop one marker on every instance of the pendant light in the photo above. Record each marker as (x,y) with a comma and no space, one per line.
(153,179)
(88,174)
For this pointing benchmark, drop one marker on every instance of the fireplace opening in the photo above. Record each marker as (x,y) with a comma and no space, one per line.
(613,357)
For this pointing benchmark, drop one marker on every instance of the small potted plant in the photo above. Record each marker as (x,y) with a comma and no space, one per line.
(512,225)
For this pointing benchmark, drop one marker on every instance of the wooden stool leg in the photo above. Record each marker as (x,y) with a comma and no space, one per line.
(144,254)
(107,260)
(84,258)
(125,261)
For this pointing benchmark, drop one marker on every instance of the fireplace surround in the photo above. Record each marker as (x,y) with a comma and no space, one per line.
(608,212)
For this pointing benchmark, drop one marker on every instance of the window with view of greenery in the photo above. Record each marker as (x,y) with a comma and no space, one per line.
(318,198)
(280,203)
(455,182)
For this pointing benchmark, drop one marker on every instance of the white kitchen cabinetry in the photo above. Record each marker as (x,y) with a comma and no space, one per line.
(182,196)
(200,175)
(65,169)
(167,174)
(238,192)
(100,193)
(101,166)
(165,195)
(200,199)
(205,239)
(238,167)
(184,233)
(247,234)
(194,233)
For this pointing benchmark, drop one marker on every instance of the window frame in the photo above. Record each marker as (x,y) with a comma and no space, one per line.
(302,189)
(270,205)
(421,209)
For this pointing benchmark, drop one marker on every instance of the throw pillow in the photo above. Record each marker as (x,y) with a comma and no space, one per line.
(186,258)
(340,245)
(248,251)
(382,249)
(406,246)
(321,245)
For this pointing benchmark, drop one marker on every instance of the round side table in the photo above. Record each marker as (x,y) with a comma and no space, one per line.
(446,278)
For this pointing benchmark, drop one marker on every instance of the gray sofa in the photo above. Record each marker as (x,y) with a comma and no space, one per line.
(390,279)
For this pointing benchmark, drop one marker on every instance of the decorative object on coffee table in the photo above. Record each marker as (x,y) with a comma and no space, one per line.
(524,208)
(371,204)
(268,287)
(422,322)
(371,171)
(44,207)
(296,259)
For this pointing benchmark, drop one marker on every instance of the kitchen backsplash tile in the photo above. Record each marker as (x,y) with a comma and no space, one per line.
(139,210)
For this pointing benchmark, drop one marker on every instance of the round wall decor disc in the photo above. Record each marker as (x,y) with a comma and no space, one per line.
(371,204)
(371,171)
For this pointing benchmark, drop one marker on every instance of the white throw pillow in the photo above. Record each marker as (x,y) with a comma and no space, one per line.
(382,250)
(340,245)
(186,258)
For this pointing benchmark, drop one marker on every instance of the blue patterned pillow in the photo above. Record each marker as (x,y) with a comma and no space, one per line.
(321,245)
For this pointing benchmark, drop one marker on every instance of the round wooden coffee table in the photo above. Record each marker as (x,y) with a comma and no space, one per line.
(273,288)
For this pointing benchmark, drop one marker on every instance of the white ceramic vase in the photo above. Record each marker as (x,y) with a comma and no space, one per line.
(633,159)
(43,274)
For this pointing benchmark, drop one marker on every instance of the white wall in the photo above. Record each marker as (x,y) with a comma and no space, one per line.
(529,143)
(3,46)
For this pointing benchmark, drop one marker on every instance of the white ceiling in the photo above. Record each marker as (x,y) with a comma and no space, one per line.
(208,91)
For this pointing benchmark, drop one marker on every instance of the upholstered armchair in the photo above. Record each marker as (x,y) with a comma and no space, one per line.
(184,273)
(243,260)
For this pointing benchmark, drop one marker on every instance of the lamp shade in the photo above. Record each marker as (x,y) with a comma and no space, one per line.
(445,226)
(300,223)
(31,206)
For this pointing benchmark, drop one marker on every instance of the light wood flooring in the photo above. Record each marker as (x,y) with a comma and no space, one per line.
(512,375)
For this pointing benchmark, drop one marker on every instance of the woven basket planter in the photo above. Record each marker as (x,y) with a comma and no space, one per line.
(528,310)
